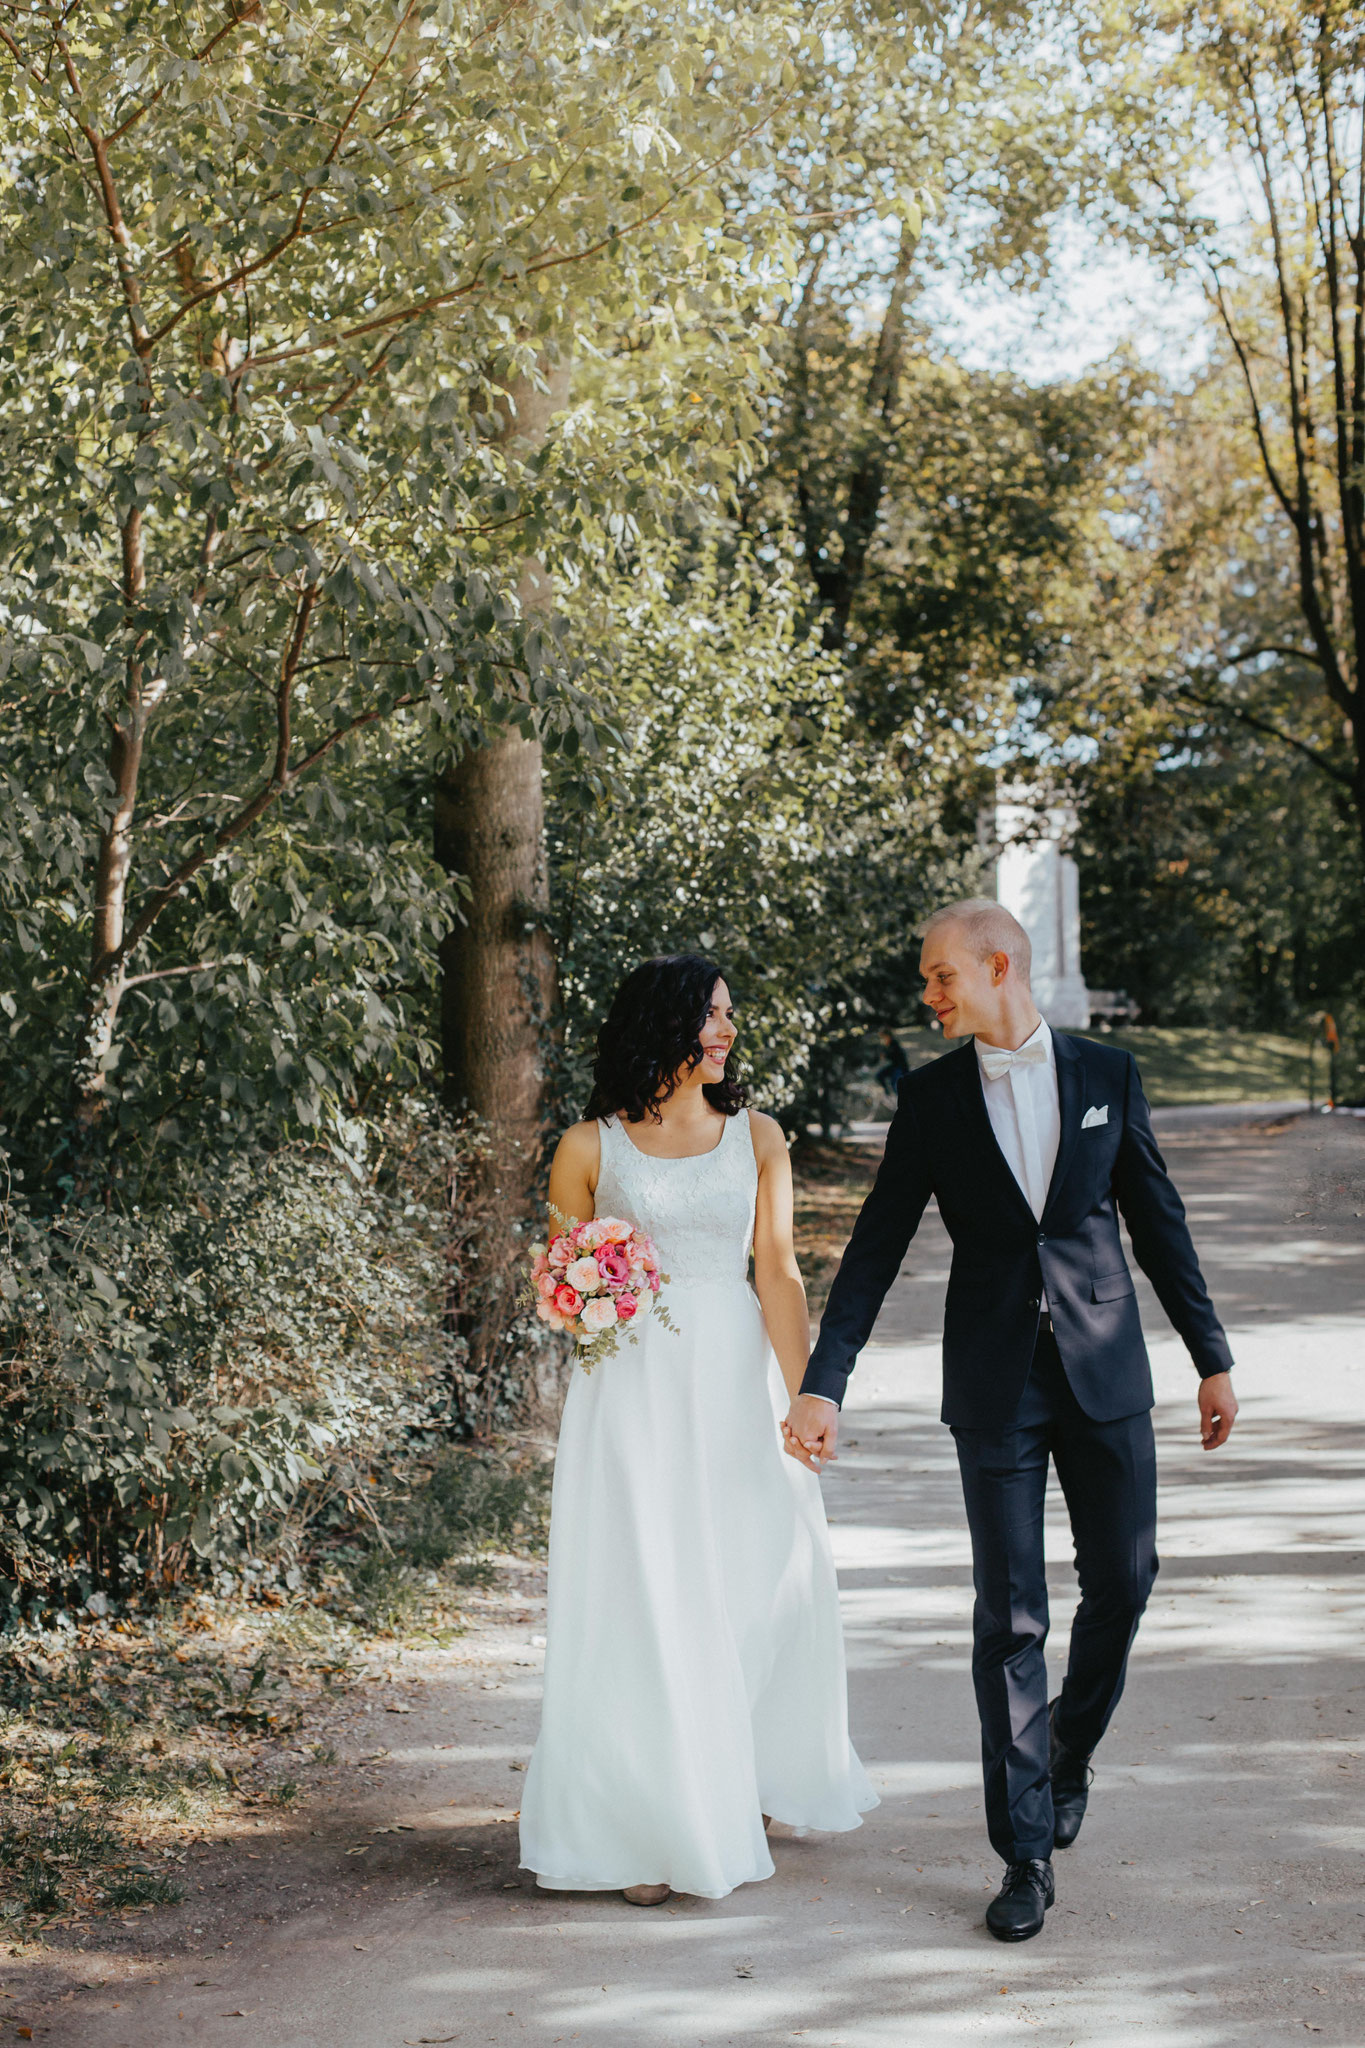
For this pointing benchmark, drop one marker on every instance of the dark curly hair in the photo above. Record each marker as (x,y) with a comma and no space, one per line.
(653,1030)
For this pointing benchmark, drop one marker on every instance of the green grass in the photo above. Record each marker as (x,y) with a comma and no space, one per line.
(1191,1065)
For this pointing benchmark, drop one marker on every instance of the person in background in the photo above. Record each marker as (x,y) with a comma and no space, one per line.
(895,1063)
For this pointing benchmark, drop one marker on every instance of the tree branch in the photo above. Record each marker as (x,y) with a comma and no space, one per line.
(268,794)
(291,235)
(1271,647)
(1263,726)
(251,12)
(168,973)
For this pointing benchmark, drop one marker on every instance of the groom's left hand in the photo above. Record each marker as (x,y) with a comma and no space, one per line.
(1217,1409)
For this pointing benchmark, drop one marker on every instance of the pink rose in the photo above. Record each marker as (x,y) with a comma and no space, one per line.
(612,1264)
(568,1300)
(599,1314)
(546,1286)
(548,1313)
(588,1236)
(560,1253)
(585,1276)
(626,1306)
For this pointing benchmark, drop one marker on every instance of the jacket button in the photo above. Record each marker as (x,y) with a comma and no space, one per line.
(1034,1301)
(1042,1237)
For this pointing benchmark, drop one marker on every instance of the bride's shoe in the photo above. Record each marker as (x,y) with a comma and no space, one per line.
(647,1894)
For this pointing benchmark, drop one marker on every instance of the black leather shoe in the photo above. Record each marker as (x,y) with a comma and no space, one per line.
(1072,1778)
(1016,1912)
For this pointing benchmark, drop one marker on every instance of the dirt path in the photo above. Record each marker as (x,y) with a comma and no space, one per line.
(1215,1897)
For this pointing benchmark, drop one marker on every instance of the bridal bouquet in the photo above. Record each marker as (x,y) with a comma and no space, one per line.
(596,1280)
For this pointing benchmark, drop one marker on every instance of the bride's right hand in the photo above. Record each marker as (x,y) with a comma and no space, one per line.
(811,1431)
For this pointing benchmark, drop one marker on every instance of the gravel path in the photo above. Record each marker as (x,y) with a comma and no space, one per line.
(1215,1896)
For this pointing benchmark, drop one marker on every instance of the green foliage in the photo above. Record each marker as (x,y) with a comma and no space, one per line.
(226,1368)
(274,293)
(993,541)
(752,819)
(468,1503)
(141,1889)
(1220,882)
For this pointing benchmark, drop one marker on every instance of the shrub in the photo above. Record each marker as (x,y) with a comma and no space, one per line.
(254,1360)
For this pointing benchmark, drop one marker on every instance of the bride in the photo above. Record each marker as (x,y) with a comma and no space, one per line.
(694,1675)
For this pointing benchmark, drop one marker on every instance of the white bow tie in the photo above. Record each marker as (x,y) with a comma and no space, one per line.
(997,1059)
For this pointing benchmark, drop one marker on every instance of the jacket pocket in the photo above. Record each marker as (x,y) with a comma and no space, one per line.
(1111,1286)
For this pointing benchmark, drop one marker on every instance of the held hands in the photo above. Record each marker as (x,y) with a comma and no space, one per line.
(811,1431)
(1217,1410)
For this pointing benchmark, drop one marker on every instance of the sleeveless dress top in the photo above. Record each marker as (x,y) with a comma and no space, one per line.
(694,1669)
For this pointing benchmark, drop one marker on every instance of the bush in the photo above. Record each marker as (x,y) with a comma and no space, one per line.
(472,1502)
(252,1362)
(755,819)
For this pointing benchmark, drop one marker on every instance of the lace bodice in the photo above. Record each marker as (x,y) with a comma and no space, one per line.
(699,1210)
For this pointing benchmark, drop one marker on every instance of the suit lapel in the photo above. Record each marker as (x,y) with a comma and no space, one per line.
(1070,1091)
(985,1143)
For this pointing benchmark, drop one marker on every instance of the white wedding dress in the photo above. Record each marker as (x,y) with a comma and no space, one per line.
(694,1674)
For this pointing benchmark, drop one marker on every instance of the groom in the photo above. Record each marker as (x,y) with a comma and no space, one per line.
(1034,1145)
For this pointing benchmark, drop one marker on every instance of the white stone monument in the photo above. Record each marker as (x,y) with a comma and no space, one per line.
(1041,885)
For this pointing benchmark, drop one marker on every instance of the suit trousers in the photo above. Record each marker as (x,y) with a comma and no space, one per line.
(1107,1472)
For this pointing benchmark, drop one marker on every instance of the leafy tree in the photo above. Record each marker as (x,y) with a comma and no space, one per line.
(268,279)
(751,819)
(968,115)
(979,596)
(1219,880)
(1236,138)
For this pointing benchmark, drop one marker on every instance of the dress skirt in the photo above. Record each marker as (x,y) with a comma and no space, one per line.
(694,1669)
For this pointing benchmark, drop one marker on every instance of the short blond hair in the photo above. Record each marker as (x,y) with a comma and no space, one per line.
(988,928)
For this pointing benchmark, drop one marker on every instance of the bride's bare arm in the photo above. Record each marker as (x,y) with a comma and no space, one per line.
(777,1277)
(574,1170)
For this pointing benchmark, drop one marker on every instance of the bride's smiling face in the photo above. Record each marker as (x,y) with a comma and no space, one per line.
(718,1033)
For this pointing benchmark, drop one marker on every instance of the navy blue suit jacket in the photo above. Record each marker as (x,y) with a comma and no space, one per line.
(941,1143)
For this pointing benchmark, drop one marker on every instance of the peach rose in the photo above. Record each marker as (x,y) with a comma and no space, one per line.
(548,1313)
(599,1314)
(614,1231)
(585,1276)
(546,1285)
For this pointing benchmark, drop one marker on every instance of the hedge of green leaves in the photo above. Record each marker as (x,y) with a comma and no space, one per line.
(241,1364)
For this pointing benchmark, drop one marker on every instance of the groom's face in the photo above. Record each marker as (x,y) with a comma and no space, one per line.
(961,990)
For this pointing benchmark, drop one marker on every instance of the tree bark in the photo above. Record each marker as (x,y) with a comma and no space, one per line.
(497,962)
(497,987)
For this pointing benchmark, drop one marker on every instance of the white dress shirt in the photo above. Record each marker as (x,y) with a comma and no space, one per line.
(1026,1115)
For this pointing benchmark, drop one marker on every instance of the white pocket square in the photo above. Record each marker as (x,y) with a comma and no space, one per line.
(1093,1118)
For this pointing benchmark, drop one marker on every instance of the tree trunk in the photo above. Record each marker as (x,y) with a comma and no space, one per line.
(838,582)
(497,965)
(497,988)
